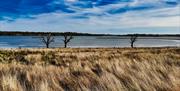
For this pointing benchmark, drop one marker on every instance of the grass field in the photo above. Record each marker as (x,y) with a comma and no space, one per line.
(90,69)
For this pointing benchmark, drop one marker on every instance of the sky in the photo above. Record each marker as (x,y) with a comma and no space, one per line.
(91,16)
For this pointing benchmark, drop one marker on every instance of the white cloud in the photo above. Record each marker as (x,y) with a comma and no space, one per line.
(71,0)
(58,21)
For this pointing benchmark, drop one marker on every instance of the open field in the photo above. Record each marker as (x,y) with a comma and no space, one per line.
(90,69)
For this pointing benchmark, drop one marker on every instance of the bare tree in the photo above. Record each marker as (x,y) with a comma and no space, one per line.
(133,39)
(67,39)
(47,40)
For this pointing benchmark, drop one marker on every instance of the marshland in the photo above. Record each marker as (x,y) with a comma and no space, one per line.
(90,69)
(89,45)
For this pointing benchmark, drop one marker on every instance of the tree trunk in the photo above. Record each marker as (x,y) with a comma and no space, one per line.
(132,45)
(47,45)
(65,45)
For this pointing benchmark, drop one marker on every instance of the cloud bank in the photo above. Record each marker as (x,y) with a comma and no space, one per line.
(93,16)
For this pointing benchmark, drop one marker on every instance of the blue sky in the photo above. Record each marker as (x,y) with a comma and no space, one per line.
(91,16)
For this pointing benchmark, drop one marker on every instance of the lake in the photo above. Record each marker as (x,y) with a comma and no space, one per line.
(86,41)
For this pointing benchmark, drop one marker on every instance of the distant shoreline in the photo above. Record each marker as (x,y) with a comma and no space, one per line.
(82,48)
(19,33)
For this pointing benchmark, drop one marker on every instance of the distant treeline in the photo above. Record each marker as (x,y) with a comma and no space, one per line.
(18,33)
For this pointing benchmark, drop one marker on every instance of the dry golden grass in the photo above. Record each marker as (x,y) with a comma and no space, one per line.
(90,69)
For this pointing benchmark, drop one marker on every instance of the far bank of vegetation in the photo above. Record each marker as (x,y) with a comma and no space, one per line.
(19,33)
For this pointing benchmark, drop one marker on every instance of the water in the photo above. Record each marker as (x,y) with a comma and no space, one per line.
(84,41)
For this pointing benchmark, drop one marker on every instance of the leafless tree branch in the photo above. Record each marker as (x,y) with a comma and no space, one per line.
(67,38)
(133,39)
(47,40)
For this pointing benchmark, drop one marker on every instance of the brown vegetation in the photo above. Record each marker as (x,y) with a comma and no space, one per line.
(96,69)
